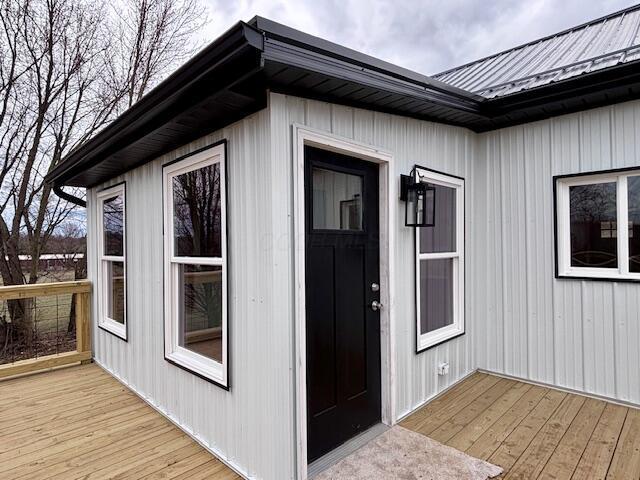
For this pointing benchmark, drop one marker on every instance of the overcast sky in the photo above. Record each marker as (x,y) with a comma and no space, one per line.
(428,36)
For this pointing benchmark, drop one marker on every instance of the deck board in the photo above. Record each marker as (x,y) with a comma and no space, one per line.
(626,458)
(564,459)
(534,432)
(80,422)
(598,454)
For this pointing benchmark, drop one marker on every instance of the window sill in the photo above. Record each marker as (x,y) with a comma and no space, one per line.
(599,276)
(201,366)
(437,337)
(114,328)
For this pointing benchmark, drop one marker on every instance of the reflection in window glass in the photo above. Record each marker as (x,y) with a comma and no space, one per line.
(442,236)
(115,279)
(337,200)
(436,294)
(633,184)
(197,213)
(113,225)
(593,225)
(200,318)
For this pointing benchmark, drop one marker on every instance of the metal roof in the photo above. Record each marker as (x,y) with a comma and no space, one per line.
(599,44)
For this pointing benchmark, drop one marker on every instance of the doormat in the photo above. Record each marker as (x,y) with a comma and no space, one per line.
(405,455)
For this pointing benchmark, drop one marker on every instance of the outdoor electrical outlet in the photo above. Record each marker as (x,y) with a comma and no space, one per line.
(443,368)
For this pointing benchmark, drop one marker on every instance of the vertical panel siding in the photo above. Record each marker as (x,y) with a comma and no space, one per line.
(440,147)
(572,333)
(519,319)
(250,426)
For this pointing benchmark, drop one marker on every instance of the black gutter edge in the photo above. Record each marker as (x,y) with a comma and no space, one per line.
(288,54)
(617,75)
(239,36)
(278,31)
(559,94)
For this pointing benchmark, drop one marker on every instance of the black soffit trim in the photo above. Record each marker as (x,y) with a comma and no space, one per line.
(291,36)
(229,80)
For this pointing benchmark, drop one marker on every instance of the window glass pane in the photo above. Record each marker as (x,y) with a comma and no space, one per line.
(200,319)
(337,200)
(197,213)
(436,294)
(442,236)
(633,184)
(594,236)
(113,225)
(116,294)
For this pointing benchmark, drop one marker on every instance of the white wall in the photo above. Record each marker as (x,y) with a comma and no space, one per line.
(577,334)
(440,147)
(519,319)
(250,426)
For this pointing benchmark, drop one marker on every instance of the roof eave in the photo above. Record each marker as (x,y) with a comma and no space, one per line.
(238,38)
(608,86)
(291,36)
(235,71)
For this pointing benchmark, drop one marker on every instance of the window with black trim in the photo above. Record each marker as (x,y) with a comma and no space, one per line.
(598,225)
(112,266)
(195,284)
(440,263)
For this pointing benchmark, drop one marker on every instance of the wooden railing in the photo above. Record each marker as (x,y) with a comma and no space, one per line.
(79,293)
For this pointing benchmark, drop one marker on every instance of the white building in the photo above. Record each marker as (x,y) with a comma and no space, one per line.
(277,303)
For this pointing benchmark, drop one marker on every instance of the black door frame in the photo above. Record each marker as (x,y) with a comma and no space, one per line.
(388,191)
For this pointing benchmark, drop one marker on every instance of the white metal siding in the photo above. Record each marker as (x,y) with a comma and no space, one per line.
(440,147)
(577,334)
(250,426)
(519,319)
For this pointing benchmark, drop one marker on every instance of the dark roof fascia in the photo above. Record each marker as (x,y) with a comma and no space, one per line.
(551,100)
(538,40)
(238,38)
(277,31)
(288,54)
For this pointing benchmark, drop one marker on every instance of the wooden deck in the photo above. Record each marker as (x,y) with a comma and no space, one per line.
(82,423)
(534,432)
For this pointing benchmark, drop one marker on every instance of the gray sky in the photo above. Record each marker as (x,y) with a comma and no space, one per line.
(428,36)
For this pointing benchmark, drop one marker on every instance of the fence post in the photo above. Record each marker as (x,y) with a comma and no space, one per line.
(83,333)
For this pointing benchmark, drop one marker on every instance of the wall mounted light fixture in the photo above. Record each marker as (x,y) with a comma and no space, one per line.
(420,201)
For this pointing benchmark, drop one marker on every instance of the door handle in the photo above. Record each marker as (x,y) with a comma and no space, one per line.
(376,305)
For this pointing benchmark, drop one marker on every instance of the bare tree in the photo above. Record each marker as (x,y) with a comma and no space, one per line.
(153,37)
(64,75)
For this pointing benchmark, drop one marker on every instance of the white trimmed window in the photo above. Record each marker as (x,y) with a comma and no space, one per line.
(598,225)
(440,263)
(195,251)
(112,266)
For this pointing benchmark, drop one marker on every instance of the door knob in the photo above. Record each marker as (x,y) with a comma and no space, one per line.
(376,305)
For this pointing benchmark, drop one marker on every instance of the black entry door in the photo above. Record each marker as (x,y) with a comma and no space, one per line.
(342,278)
